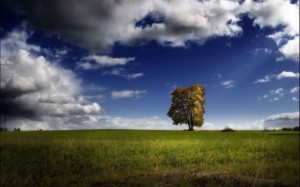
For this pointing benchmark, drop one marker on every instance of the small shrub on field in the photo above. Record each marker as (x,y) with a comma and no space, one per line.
(227,129)
(266,129)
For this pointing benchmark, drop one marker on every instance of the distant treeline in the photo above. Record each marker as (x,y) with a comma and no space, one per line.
(4,129)
(227,129)
(290,128)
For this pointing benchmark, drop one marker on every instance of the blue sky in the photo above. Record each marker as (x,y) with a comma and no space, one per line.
(114,65)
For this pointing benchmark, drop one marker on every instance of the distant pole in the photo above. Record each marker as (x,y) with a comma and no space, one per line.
(0,84)
(2,115)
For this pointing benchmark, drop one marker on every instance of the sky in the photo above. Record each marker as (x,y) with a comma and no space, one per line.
(114,64)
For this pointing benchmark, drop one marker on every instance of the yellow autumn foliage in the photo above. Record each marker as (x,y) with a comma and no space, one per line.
(187,106)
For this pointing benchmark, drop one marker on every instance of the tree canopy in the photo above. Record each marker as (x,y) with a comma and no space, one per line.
(187,106)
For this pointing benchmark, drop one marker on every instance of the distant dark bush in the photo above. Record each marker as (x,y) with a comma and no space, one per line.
(17,129)
(287,129)
(3,129)
(227,129)
(290,128)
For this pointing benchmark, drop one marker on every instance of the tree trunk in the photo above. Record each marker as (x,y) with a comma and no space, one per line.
(191,127)
(191,124)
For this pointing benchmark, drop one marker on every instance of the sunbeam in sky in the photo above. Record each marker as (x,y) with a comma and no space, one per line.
(113,64)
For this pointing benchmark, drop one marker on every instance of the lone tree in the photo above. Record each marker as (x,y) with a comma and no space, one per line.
(187,106)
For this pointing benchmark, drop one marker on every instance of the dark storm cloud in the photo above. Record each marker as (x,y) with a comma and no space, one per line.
(14,108)
(282,120)
(11,93)
(10,106)
(99,24)
(72,20)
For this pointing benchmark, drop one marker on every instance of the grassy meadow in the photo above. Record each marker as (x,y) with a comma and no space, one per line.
(149,158)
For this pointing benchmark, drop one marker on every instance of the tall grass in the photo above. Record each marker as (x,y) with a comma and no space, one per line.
(129,157)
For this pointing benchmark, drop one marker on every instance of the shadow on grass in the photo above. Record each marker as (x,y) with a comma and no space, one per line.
(191,178)
(285,134)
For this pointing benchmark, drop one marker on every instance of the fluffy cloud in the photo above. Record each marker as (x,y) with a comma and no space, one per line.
(32,88)
(274,95)
(228,84)
(109,122)
(280,93)
(287,74)
(128,94)
(282,75)
(291,49)
(96,122)
(254,125)
(14,41)
(96,61)
(295,90)
(134,75)
(149,123)
(266,13)
(262,50)
(122,73)
(267,78)
(275,13)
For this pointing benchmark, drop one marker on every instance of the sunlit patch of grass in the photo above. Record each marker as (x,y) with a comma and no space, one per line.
(119,157)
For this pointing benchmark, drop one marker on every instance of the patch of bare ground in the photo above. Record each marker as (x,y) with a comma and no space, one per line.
(193,178)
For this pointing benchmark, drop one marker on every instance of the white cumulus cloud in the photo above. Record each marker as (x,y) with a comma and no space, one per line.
(128,94)
(262,50)
(228,84)
(33,88)
(287,74)
(265,79)
(275,13)
(291,49)
(123,73)
(96,61)
(295,90)
(275,95)
(282,75)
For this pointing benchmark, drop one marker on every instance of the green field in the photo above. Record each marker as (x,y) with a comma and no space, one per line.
(149,158)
